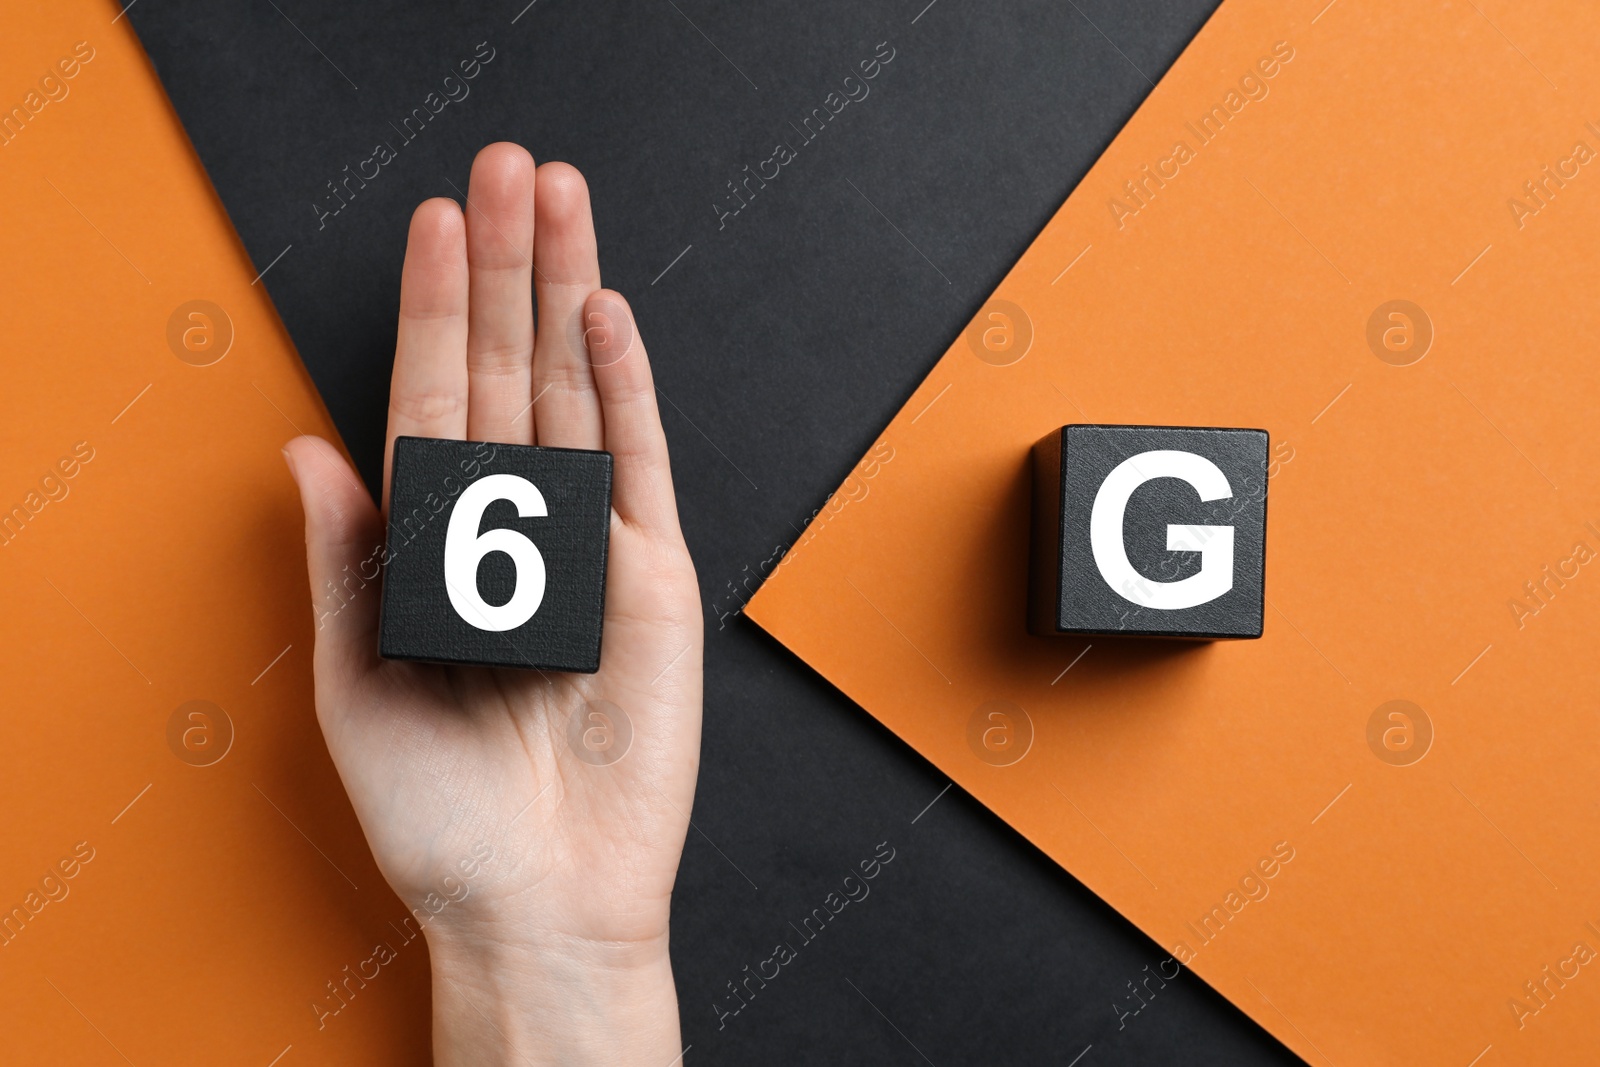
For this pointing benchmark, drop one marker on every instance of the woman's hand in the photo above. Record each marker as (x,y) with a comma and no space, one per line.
(542,854)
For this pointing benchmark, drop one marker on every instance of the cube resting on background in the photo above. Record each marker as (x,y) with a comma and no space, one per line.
(1149,531)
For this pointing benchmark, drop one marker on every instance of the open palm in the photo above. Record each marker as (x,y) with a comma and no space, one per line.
(519,810)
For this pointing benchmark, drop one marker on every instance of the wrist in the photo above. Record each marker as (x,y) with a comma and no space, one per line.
(550,998)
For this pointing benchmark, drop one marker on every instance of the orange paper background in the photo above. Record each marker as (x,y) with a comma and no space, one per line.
(1409,505)
(220,899)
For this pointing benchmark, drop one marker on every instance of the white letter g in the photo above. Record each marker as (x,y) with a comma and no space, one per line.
(1216,542)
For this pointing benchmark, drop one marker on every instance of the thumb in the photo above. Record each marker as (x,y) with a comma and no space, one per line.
(344,554)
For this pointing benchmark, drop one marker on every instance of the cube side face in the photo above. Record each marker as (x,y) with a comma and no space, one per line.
(1163,531)
(1044,554)
(422,620)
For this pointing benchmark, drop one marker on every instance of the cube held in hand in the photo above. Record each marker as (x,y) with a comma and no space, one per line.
(496,555)
(1149,531)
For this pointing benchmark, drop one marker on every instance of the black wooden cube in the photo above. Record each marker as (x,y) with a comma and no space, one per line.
(1149,531)
(496,555)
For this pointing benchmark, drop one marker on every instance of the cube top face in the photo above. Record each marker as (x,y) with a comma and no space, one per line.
(1151,531)
(496,555)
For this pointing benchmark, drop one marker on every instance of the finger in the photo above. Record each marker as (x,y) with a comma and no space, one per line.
(500,268)
(568,271)
(344,545)
(428,393)
(641,489)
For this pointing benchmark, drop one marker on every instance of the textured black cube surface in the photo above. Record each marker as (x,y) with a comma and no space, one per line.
(1149,531)
(496,555)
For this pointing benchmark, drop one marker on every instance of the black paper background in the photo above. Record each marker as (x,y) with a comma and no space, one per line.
(783,341)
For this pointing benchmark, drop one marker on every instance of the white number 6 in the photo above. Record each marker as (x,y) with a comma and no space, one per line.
(464,549)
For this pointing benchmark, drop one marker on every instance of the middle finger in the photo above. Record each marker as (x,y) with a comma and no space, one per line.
(500,318)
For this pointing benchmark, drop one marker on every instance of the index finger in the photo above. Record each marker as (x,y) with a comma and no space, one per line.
(642,478)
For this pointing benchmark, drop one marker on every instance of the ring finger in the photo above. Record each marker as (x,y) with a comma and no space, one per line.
(569,271)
